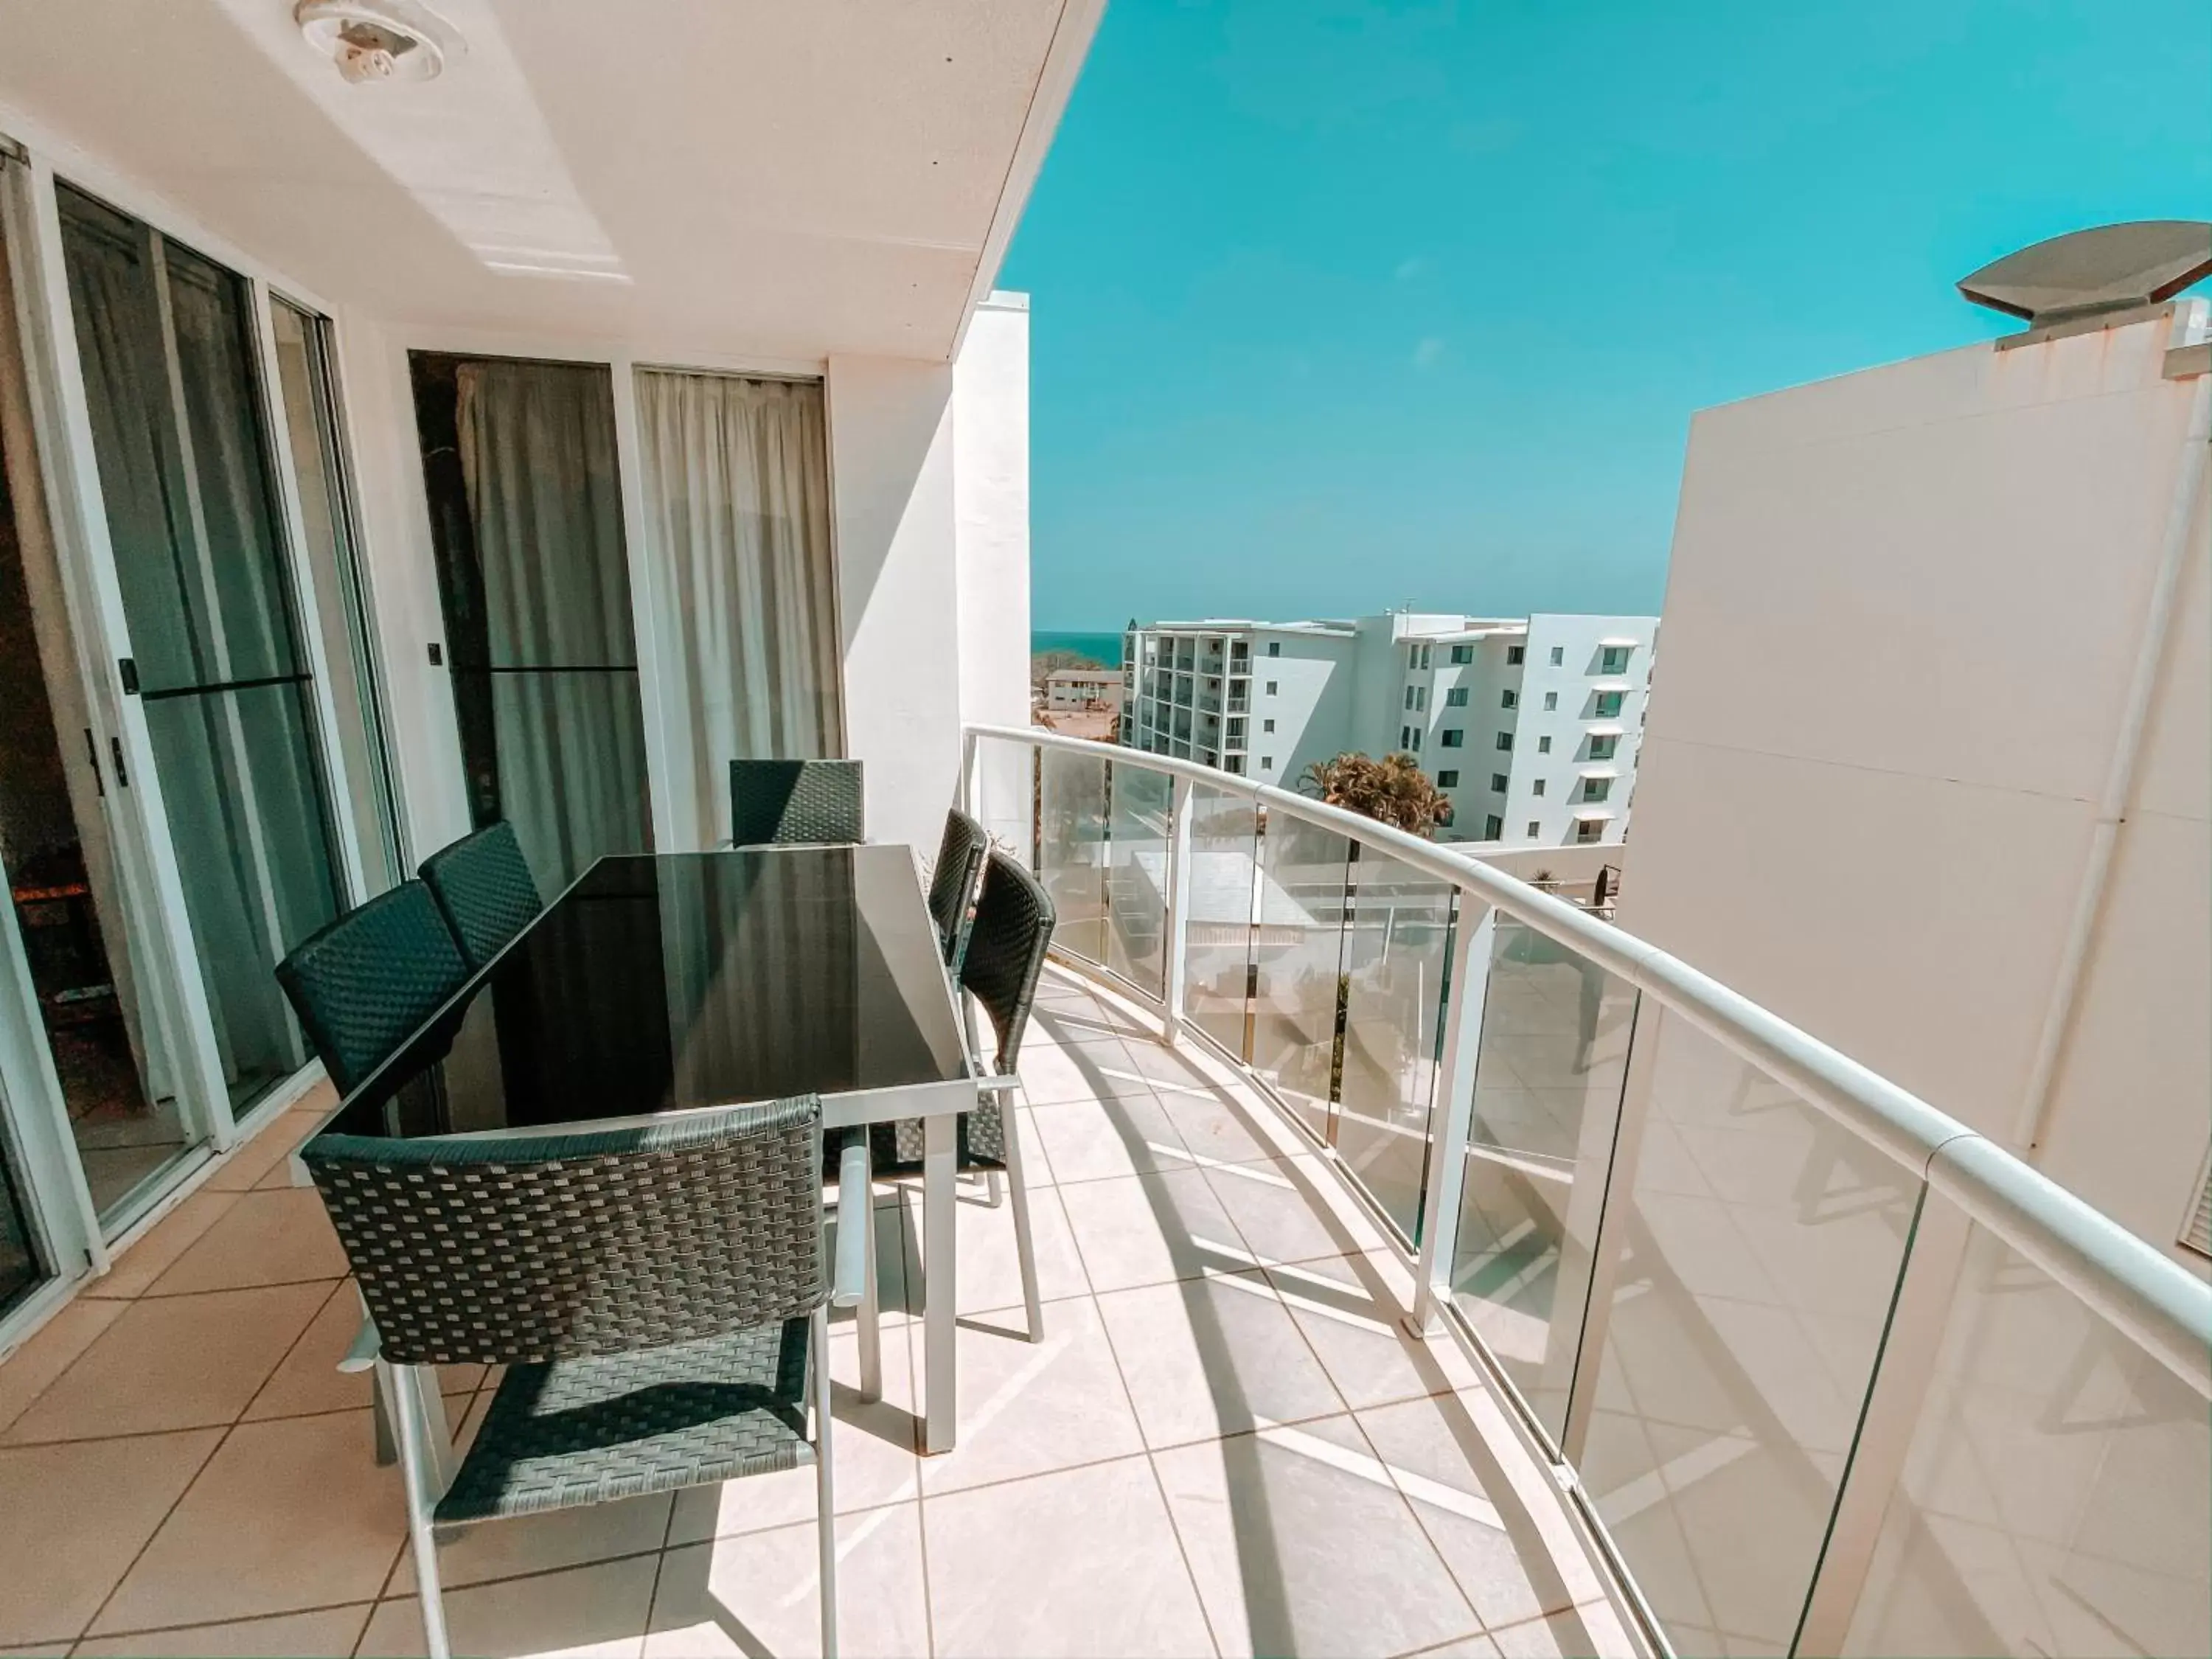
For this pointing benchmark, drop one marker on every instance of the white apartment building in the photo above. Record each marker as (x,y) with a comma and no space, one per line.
(1073,689)
(1263,700)
(1531,726)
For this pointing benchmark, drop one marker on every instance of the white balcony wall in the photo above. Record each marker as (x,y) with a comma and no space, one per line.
(1902,616)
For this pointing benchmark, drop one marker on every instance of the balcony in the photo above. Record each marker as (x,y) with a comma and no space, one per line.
(1819,1369)
(1227,1442)
(1724,1341)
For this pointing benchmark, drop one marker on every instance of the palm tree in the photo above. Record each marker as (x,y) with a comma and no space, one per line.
(1393,790)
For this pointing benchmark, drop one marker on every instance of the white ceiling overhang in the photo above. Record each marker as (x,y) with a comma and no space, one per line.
(742,176)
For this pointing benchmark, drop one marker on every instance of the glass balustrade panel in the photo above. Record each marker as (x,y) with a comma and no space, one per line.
(1396,944)
(1136,881)
(1072,848)
(1003,795)
(1297,953)
(1218,916)
(1552,1057)
(1755,1246)
(2055,1496)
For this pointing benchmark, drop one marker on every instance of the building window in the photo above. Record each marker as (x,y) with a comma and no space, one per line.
(1509,699)
(1234,763)
(1535,830)
(1271,687)
(1421,702)
(1409,696)
(1506,740)
(1543,745)
(1456,696)
(1492,827)
(1558,655)
(1590,830)
(1452,736)
(1417,739)
(1497,782)
(1267,725)
(1597,788)
(1274,648)
(1448,779)
(1516,655)
(1614,659)
(1537,788)
(1267,762)
(1406,737)
(1608,704)
(1603,744)
(1424,656)
(1550,702)
(1462,654)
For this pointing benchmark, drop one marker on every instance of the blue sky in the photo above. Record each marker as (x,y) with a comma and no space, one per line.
(1338,307)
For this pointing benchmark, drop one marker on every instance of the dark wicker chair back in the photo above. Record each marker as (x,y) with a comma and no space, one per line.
(774,801)
(484,889)
(1006,946)
(363,985)
(525,1249)
(960,858)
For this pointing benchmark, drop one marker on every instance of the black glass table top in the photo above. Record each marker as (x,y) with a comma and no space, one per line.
(662,983)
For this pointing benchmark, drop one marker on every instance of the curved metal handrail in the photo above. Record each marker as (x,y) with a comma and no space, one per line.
(2156,1303)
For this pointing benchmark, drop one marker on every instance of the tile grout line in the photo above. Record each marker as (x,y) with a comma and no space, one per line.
(1159,1482)
(262,1388)
(244,1619)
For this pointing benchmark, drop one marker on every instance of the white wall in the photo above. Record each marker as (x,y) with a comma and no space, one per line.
(891,449)
(991,505)
(1311,706)
(1902,615)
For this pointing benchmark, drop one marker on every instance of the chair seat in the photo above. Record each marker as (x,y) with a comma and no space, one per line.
(589,1430)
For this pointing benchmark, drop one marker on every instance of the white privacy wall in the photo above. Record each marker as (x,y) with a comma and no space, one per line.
(929,479)
(991,505)
(1901,618)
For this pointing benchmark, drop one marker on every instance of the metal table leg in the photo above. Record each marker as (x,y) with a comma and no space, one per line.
(939,1194)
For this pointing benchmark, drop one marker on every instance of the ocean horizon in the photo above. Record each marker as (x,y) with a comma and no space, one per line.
(1104,649)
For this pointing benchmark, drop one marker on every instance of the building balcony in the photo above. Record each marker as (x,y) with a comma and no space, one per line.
(1223,1363)
(1559,1306)
(1819,1369)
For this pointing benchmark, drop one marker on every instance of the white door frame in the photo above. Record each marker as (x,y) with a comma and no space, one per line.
(34,1117)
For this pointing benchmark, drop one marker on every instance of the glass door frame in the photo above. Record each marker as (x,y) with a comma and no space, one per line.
(145,854)
(645,581)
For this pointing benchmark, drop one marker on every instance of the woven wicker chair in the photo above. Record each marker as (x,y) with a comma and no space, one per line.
(484,889)
(363,985)
(775,802)
(659,1295)
(1002,962)
(960,858)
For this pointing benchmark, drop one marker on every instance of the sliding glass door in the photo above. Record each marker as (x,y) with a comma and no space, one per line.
(165,339)
(533,573)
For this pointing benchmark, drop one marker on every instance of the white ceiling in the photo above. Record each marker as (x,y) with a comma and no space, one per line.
(783,177)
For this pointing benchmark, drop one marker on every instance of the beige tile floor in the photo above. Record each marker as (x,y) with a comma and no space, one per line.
(1224,1444)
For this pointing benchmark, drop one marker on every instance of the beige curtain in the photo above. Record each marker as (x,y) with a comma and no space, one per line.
(737,486)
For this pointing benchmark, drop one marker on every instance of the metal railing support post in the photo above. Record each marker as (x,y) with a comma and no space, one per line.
(1175,932)
(1475,936)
